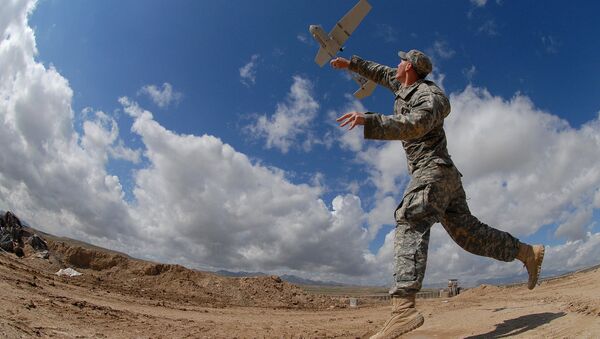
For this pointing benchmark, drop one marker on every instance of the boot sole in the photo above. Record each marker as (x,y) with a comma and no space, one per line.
(539,269)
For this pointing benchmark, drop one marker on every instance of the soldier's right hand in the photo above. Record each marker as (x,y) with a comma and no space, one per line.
(339,63)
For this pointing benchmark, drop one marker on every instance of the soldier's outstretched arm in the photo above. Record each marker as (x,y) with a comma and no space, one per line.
(381,74)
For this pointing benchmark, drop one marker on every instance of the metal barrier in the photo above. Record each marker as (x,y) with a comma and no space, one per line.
(428,295)
(378,296)
(442,293)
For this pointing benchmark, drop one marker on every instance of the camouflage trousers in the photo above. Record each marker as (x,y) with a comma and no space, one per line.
(435,194)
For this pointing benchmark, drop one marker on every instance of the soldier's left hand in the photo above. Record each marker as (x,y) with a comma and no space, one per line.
(352,118)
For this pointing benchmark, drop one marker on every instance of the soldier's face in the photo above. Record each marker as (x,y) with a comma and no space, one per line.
(401,71)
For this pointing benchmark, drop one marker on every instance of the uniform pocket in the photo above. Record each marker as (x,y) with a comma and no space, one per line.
(414,204)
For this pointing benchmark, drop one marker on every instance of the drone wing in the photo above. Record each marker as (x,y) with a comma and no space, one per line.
(366,87)
(322,57)
(349,22)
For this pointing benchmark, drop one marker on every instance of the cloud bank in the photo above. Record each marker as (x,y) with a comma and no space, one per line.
(196,199)
(50,174)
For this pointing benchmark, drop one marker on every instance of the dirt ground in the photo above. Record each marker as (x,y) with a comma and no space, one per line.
(119,297)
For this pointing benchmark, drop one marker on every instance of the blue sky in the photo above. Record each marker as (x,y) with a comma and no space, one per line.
(202,132)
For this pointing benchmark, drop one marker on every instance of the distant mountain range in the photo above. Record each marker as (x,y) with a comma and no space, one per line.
(286,277)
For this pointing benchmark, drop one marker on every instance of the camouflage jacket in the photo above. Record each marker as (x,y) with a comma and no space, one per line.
(418,119)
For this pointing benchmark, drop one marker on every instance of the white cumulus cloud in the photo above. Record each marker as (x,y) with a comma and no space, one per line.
(51,175)
(289,126)
(442,50)
(479,3)
(470,72)
(302,38)
(551,44)
(386,32)
(248,71)
(101,139)
(162,97)
(524,168)
(489,27)
(224,210)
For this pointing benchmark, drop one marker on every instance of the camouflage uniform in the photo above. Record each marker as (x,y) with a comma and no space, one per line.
(435,192)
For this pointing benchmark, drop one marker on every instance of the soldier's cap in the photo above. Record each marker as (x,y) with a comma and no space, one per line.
(419,60)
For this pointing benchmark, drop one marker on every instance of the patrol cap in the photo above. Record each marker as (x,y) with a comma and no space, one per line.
(419,60)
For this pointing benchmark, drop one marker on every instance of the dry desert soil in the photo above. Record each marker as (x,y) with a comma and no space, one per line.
(121,297)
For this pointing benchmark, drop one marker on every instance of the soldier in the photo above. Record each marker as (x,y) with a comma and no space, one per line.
(435,192)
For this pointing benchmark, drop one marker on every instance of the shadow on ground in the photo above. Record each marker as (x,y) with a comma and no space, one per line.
(519,325)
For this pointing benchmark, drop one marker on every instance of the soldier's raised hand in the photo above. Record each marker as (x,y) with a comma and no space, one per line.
(352,118)
(339,63)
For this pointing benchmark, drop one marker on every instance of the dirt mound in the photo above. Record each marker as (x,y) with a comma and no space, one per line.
(157,269)
(85,258)
(481,290)
(175,284)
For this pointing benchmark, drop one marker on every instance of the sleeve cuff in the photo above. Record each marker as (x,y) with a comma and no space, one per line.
(372,129)
(354,63)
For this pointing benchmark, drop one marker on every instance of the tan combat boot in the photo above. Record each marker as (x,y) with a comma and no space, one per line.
(405,318)
(532,257)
